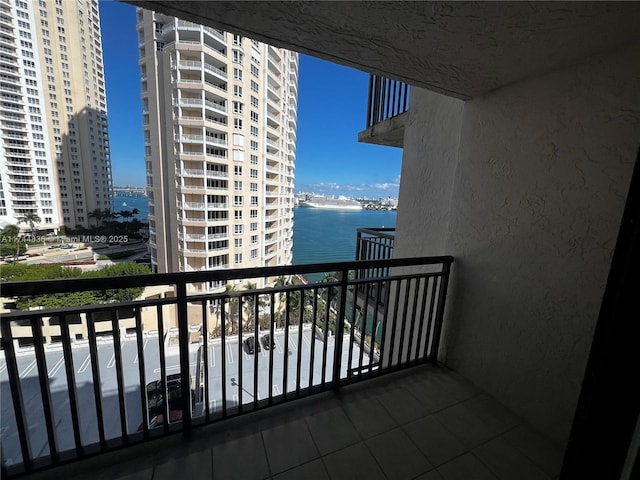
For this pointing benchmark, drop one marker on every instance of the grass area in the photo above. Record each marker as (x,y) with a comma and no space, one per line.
(115,256)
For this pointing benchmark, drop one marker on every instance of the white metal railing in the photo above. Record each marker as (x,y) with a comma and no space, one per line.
(216,141)
(213,236)
(189,64)
(195,236)
(215,155)
(194,205)
(184,25)
(191,101)
(189,138)
(218,174)
(272,117)
(216,106)
(192,172)
(194,219)
(215,33)
(218,71)
(217,122)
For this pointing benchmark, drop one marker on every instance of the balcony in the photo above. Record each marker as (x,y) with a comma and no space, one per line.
(383,324)
(388,101)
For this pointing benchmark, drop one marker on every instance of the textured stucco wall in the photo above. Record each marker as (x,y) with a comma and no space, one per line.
(531,203)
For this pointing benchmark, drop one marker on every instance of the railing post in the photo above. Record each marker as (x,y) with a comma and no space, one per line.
(442,296)
(16,394)
(339,333)
(183,342)
(370,103)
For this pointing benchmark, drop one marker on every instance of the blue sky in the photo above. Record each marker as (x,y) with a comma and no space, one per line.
(332,102)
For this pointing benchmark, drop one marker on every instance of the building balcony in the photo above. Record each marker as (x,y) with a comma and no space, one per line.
(388,101)
(381,326)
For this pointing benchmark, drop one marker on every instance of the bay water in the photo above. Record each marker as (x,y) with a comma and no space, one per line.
(318,235)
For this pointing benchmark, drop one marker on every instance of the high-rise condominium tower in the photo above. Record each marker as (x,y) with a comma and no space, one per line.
(54,148)
(219,116)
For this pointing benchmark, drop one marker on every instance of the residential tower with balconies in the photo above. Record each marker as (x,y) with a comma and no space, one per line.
(219,120)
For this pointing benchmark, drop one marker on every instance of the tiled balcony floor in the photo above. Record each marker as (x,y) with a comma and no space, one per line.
(425,423)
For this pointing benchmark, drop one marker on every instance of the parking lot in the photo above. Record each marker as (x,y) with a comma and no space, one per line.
(239,382)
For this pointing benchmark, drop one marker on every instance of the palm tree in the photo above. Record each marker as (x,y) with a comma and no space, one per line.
(126,214)
(32,219)
(108,215)
(233,306)
(250,304)
(135,212)
(97,215)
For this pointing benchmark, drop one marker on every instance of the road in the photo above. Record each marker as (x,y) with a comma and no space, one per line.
(238,364)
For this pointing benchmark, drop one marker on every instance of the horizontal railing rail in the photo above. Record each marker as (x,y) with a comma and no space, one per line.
(86,379)
(387,99)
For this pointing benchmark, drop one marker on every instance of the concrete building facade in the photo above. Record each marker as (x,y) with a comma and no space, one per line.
(56,160)
(219,120)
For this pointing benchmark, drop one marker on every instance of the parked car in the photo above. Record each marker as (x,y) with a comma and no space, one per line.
(267,342)
(250,345)
(155,401)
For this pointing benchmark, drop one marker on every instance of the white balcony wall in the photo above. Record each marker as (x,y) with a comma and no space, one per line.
(525,187)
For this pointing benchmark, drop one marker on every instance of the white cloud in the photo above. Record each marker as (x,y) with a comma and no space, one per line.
(374,190)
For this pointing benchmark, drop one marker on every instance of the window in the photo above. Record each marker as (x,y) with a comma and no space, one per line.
(254,101)
(254,159)
(238,156)
(237,242)
(237,39)
(254,226)
(237,170)
(238,200)
(237,123)
(238,258)
(237,185)
(237,214)
(238,56)
(254,173)
(254,131)
(254,116)
(253,214)
(254,254)
(254,86)
(255,71)
(237,91)
(254,187)
(238,140)
(238,229)
(254,239)
(254,201)
(237,73)
(254,145)
(238,107)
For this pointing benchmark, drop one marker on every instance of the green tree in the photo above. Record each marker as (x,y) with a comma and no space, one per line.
(32,219)
(23,273)
(108,215)
(126,214)
(97,215)
(250,305)
(232,311)
(10,245)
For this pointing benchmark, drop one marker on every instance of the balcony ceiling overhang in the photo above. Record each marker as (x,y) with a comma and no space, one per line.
(461,49)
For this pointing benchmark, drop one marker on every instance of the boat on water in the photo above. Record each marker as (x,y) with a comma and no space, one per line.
(334,203)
